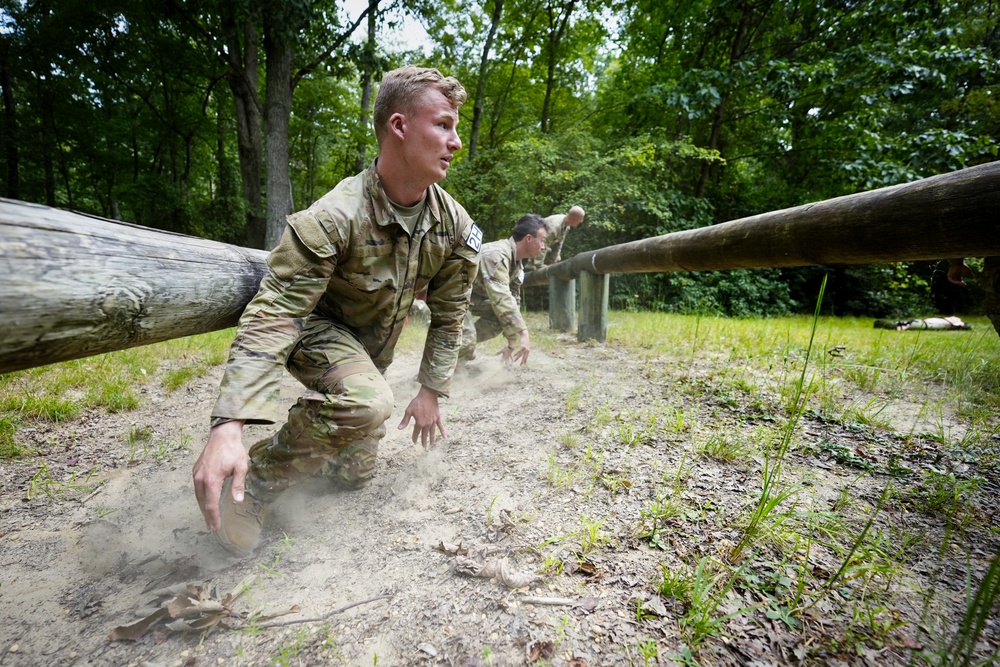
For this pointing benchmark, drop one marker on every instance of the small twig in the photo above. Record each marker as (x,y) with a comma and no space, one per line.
(95,492)
(326,616)
(555,602)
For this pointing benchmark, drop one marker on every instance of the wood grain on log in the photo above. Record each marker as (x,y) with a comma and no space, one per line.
(73,285)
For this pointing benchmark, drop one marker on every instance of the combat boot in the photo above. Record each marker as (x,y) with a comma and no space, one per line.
(240,523)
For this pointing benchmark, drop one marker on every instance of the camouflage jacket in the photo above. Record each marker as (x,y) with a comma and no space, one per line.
(347,259)
(557,232)
(497,290)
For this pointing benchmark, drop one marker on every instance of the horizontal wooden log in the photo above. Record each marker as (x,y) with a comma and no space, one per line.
(73,285)
(951,215)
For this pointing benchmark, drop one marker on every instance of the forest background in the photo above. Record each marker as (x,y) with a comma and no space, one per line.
(216,118)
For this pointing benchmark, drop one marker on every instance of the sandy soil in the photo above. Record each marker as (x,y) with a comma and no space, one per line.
(536,480)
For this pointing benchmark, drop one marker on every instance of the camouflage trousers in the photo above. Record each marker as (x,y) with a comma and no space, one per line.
(334,428)
(991,286)
(476,329)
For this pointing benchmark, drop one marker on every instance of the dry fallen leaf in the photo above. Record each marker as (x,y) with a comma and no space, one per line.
(193,608)
(541,650)
(497,568)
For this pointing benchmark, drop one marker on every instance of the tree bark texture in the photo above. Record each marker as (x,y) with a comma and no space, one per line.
(367,75)
(279,47)
(73,285)
(950,215)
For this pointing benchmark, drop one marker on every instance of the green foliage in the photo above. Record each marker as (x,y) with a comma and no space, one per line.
(686,117)
(740,293)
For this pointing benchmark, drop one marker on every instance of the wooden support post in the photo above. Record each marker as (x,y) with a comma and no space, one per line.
(593,307)
(562,304)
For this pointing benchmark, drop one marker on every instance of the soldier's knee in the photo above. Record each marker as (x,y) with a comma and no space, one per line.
(379,410)
(368,400)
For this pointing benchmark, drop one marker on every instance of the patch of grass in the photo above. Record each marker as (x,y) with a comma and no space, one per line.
(615,482)
(728,446)
(664,507)
(569,440)
(178,377)
(557,475)
(600,417)
(945,494)
(869,414)
(111,382)
(138,439)
(573,399)
(675,584)
(592,536)
(710,584)
(10,448)
(649,651)
(767,516)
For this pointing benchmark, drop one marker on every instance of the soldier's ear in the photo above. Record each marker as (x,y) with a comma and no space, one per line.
(397,125)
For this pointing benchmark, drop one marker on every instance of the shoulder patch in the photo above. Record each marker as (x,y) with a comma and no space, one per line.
(475,239)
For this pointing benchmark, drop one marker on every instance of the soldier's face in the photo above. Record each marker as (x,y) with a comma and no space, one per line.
(536,242)
(430,139)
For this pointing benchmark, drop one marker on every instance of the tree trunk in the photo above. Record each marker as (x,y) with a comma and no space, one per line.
(557,29)
(951,215)
(10,121)
(49,144)
(477,108)
(719,115)
(73,285)
(277,115)
(241,74)
(367,74)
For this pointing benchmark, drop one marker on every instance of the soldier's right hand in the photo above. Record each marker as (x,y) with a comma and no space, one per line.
(223,456)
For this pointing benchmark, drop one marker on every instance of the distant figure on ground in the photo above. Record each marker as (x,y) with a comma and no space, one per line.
(958,270)
(496,293)
(330,310)
(934,323)
(558,227)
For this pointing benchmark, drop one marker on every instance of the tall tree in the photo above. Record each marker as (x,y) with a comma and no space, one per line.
(7,58)
(484,60)
(368,66)
(557,15)
(288,30)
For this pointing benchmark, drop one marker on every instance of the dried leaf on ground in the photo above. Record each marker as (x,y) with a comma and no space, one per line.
(497,568)
(194,608)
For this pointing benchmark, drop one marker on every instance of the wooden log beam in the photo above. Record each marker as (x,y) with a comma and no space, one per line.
(73,285)
(951,215)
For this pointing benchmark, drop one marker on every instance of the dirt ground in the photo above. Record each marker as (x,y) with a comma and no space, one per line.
(540,488)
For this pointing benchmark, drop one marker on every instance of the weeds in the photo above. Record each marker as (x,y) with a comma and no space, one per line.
(710,584)
(959,651)
(725,446)
(765,516)
(43,483)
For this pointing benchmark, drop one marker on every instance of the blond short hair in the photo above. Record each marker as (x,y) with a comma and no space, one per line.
(401,89)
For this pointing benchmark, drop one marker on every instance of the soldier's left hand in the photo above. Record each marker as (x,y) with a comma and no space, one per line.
(505,354)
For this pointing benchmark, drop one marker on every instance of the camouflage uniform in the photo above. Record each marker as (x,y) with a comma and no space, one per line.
(331,309)
(557,230)
(496,298)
